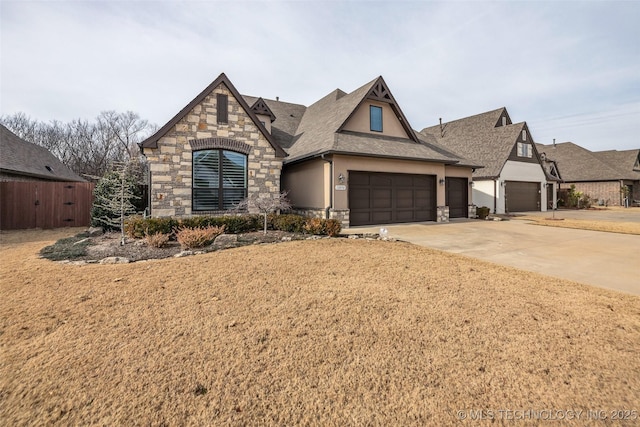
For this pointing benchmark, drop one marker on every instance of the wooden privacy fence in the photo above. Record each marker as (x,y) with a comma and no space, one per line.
(43,204)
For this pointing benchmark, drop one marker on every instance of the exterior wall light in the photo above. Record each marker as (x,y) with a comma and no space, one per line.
(441,181)
(341,179)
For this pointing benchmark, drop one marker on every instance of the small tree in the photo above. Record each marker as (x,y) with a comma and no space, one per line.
(265,204)
(114,195)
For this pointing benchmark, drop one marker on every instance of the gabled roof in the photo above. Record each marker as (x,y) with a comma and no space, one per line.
(579,164)
(480,138)
(287,119)
(152,141)
(626,161)
(321,130)
(260,107)
(20,157)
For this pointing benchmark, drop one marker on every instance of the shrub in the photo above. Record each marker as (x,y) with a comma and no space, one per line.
(314,226)
(288,222)
(332,227)
(191,238)
(157,240)
(138,227)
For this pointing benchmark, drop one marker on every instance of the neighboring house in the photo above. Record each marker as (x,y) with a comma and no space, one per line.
(37,190)
(353,157)
(600,175)
(513,178)
(24,161)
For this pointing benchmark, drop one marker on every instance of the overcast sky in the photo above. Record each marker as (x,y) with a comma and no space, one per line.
(570,69)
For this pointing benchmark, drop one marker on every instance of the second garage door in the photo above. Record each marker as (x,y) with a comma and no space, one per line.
(385,198)
(456,197)
(522,196)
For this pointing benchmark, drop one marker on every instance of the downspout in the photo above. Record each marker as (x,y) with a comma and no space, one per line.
(327,210)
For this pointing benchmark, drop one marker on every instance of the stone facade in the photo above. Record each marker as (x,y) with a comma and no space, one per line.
(171,163)
(442,214)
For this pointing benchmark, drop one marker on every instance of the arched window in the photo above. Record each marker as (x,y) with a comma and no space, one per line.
(219,179)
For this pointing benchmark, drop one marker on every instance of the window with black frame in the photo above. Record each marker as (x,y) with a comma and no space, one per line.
(219,179)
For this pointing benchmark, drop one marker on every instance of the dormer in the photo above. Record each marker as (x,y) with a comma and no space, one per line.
(504,119)
(263,113)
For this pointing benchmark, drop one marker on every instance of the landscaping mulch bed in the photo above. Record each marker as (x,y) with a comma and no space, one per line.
(83,248)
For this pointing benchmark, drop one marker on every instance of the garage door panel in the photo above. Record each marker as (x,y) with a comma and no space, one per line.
(358,179)
(522,196)
(360,198)
(382,217)
(379,198)
(381,181)
(404,199)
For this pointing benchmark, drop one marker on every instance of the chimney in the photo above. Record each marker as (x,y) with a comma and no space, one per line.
(277,98)
(441,129)
(554,143)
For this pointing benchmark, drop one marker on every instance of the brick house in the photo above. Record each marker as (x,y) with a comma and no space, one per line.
(600,174)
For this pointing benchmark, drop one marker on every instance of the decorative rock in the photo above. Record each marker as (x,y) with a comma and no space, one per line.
(353,236)
(94,231)
(114,260)
(286,239)
(183,253)
(225,239)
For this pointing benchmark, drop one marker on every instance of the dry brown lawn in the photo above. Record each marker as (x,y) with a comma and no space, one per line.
(608,226)
(327,332)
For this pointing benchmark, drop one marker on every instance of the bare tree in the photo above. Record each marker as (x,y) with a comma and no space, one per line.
(86,147)
(265,204)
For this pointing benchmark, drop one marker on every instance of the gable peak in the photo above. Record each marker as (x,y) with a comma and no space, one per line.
(379,91)
(261,107)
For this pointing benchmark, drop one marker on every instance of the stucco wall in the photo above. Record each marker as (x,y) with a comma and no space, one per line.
(360,121)
(483,194)
(171,163)
(305,183)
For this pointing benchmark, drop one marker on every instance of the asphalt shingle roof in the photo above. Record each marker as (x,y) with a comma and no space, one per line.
(623,161)
(20,157)
(579,164)
(319,131)
(478,139)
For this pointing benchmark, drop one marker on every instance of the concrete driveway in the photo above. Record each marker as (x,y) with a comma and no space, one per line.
(607,260)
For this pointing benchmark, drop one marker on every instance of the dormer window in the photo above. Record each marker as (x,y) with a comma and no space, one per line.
(524,150)
(504,121)
(375,114)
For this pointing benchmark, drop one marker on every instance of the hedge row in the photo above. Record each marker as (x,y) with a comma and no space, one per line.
(139,227)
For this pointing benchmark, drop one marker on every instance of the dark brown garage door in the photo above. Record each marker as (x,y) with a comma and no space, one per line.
(385,198)
(522,196)
(456,197)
